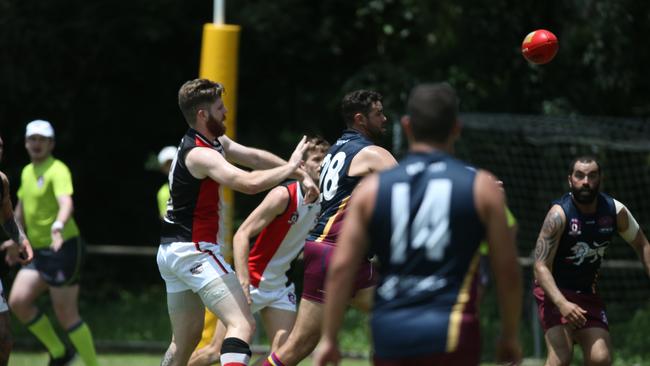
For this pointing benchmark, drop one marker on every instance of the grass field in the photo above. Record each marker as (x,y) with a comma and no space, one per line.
(37,359)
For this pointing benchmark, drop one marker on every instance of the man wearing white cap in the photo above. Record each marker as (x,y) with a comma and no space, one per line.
(45,208)
(165,158)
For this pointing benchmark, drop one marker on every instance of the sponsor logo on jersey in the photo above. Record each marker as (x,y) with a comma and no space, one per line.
(575,228)
(197,269)
(40,181)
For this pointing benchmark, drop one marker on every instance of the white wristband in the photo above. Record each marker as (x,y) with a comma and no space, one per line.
(57,226)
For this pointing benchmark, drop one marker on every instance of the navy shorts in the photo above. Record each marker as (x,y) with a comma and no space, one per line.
(61,268)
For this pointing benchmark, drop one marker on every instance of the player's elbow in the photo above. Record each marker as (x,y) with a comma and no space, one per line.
(250,186)
(240,240)
(539,268)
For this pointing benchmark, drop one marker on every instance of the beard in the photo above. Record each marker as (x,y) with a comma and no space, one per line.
(585,195)
(376,135)
(215,127)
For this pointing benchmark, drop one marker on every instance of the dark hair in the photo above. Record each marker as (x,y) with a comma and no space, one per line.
(197,94)
(358,101)
(316,144)
(433,109)
(585,159)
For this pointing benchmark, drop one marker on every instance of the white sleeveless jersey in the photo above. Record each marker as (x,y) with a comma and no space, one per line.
(281,241)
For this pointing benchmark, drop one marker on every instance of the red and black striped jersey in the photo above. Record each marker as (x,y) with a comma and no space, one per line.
(194,210)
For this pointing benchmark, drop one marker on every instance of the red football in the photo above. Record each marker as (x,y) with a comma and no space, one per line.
(540,46)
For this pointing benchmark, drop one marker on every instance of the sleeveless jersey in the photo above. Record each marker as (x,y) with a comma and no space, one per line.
(281,241)
(583,243)
(336,185)
(426,233)
(194,206)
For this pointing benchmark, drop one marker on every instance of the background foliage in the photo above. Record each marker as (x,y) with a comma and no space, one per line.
(106,74)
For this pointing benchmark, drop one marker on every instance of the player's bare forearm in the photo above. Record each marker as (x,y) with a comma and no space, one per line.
(507,276)
(262,159)
(545,249)
(340,275)
(260,180)
(66,207)
(510,290)
(642,249)
(345,261)
(13,230)
(337,290)
(240,254)
(18,213)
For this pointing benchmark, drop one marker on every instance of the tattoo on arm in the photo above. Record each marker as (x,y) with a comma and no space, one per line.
(548,237)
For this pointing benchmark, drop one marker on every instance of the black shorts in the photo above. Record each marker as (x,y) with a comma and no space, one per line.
(61,268)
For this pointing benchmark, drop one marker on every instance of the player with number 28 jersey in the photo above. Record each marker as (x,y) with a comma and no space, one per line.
(336,185)
(336,188)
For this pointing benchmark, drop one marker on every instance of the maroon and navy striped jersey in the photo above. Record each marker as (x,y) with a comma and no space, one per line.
(195,205)
(336,185)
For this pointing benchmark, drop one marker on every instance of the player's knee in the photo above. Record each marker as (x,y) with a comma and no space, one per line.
(18,303)
(599,357)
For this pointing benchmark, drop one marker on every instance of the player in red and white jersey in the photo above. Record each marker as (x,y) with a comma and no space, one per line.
(189,256)
(282,220)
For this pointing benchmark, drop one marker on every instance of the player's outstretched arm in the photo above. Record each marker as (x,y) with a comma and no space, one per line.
(629,230)
(249,156)
(350,249)
(273,205)
(203,162)
(261,159)
(545,250)
(490,203)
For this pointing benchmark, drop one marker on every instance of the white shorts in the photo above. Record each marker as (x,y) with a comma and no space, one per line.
(283,298)
(3,301)
(190,266)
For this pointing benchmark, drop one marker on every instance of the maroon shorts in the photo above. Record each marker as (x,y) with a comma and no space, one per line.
(549,314)
(459,358)
(317,258)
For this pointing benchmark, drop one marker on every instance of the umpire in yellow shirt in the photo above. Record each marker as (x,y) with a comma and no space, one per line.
(165,158)
(45,208)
